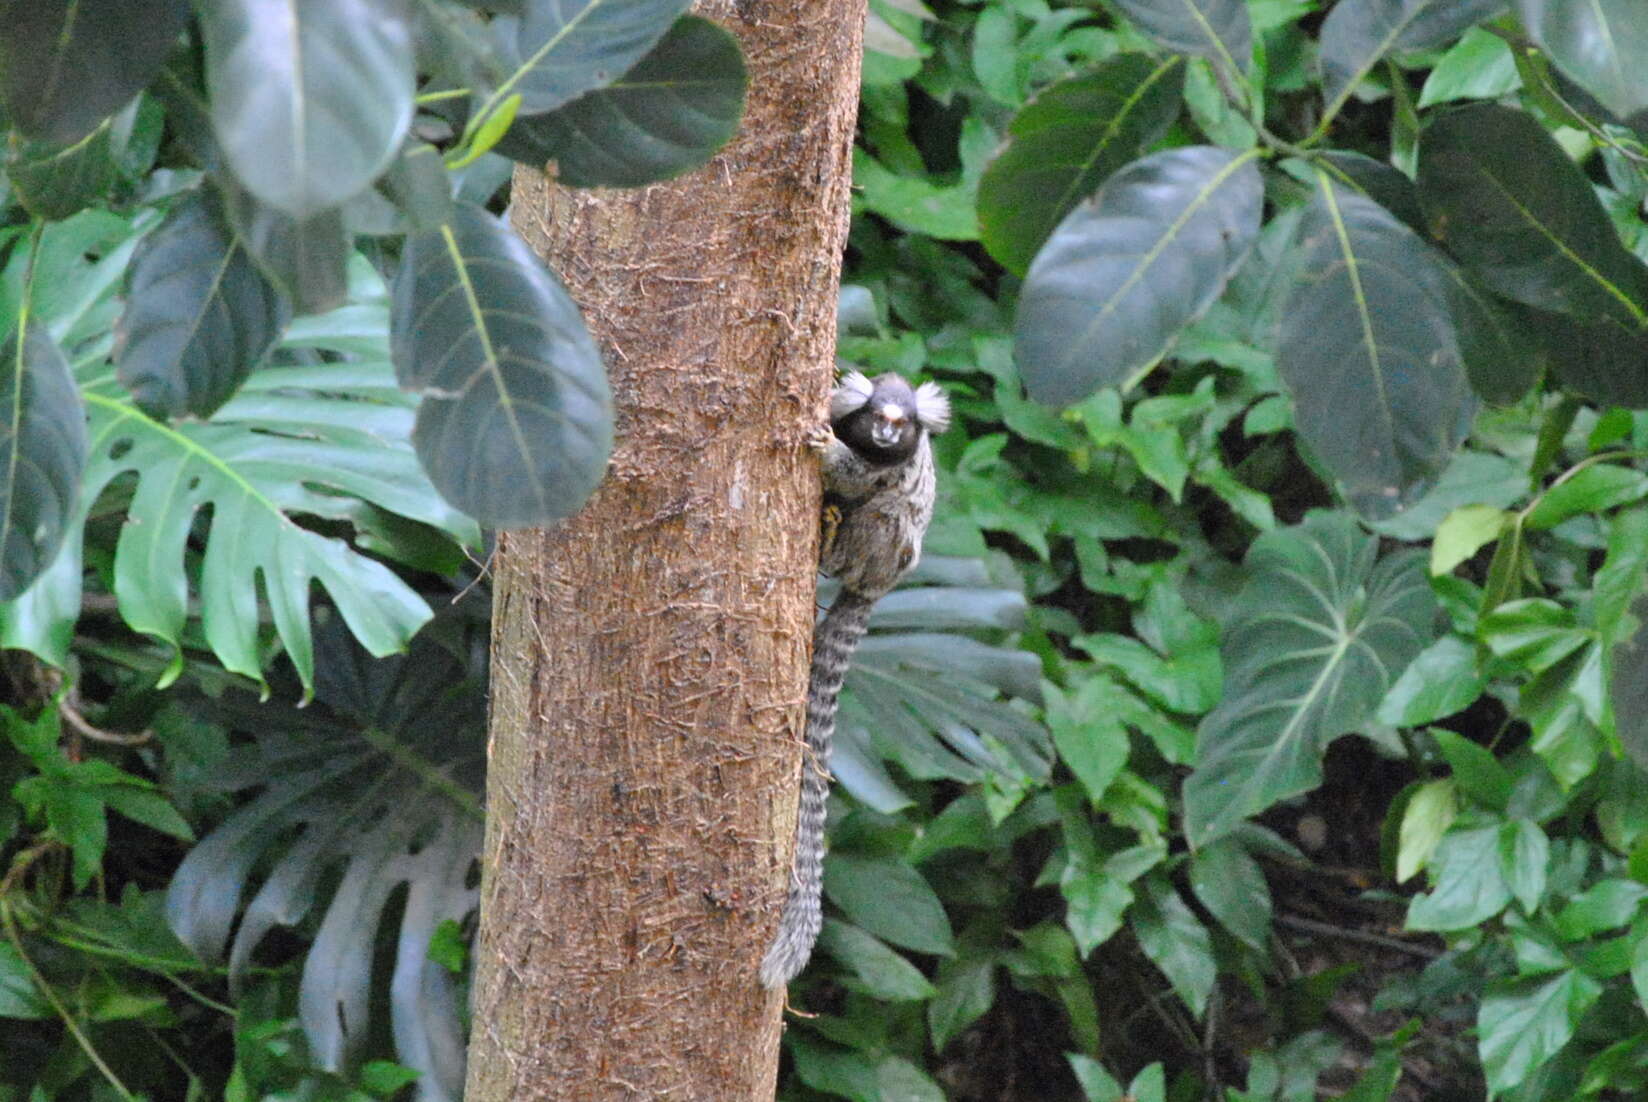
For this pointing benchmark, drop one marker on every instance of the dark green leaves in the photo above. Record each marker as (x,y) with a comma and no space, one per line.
(199,315)
(664,117)
(1506,200)
(1357,33)
(67,64)
(1218,30)
(1369,351)
(569,47)
(42,454)
(1126,271)
(1065,142)
(516,421)
(1599,44)
(310,98)
(55,181)
(1320,630)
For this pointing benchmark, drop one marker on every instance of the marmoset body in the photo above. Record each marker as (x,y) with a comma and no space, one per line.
(878,498)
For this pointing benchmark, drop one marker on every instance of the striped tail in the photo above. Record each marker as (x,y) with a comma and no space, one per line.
(834,641)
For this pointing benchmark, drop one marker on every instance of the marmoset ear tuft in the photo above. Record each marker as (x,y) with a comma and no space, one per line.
(932,407)
(850,394)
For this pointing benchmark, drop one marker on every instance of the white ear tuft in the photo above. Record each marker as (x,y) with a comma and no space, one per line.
(932,407)
(850,394)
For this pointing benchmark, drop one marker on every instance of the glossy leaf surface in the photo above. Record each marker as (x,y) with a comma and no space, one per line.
(1127,270)
(667,115)
(310,99)
(1218,30)
(54,181)
(568,47)
(1504,198)
(65,65)
(1369,351)
(42,455)
(1317,635)
(1067,141)
(516,421)
(1357,33)
(199,315)
(1598,44)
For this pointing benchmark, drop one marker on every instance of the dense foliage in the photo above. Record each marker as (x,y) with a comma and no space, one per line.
(1298,352)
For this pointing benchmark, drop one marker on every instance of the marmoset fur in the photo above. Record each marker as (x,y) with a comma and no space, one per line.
(878,498)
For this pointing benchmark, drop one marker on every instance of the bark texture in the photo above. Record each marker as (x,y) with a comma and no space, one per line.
(650,656)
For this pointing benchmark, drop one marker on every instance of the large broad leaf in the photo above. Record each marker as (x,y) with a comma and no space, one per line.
(516,422)
(564,48)
(1127,270)
(1598,44)
(65,65)
(1218,30)
(379,783)
(1357,33)
(1065,142)
(934,700)
(310,99)
(1370,353)
(328,441)
(307,258)
(55,181)
(1320,630)
(1605,361)
(42,455)
(199,315)
(1506,200)
(666,116)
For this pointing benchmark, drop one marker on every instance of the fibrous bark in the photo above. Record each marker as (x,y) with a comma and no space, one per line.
(649,656)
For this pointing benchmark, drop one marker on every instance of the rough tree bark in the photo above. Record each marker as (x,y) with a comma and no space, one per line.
(649,656)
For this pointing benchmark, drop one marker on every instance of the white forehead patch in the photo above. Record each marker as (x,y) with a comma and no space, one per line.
(890,411)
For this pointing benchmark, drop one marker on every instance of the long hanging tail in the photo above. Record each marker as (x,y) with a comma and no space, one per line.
(834,641)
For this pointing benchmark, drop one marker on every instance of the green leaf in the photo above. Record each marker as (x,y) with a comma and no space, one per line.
(1605,905)
(1524,852)
(1429,813)
(18,997)
(877,970)
(516,422)
(360,806)
(310,99)
(199,315)
(1230,884)
(307,259)
(1470,884)
(43,448)
(65,65)
(666,116)
(1463,533)
(1602,361)
(1087,730)
(1443,679)
(1218,30)
(1534,632)
(1478,66)
(1311,645)
(1369,352)
(915,204)
(1097,1084)
(1357,33)
(1598,44)
(1095,901)
(1523,1023)
(1126,271)
(889,899)
(560,51)
(1476,771)
(1065,142)
(55,181)
(1506,200)
(966,991)
(1595,489)
(1176,942)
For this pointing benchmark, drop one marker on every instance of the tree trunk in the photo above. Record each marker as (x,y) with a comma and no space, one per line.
(650,655)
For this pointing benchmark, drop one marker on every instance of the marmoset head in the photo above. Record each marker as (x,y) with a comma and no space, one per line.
(882,420)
